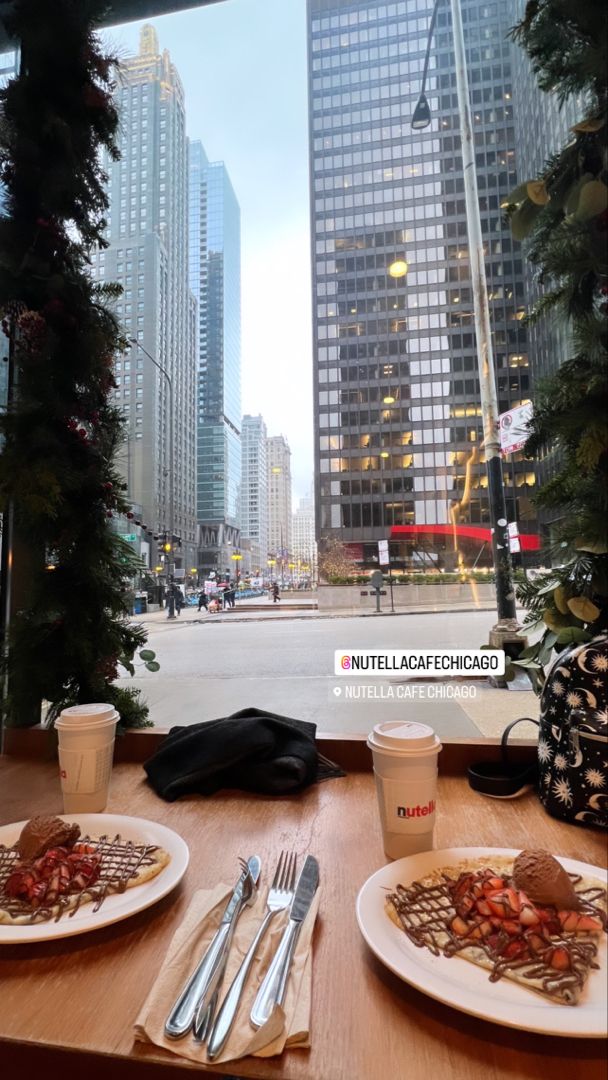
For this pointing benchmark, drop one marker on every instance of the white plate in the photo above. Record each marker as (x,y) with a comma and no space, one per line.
(461,984)
(121,905)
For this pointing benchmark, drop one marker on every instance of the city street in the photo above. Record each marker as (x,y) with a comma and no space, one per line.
(211,668)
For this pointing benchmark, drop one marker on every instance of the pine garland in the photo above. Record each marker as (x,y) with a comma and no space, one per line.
(62,433)
(564,216)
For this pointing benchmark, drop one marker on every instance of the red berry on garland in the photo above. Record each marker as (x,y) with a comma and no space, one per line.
(130,516)
(109,514)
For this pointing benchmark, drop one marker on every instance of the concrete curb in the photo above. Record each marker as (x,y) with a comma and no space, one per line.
(210,619)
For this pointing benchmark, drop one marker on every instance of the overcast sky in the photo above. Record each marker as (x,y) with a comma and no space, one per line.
(243,66)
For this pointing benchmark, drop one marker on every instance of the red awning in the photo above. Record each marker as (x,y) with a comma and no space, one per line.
(528,541)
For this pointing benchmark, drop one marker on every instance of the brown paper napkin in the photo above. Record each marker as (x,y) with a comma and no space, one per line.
(288,1026)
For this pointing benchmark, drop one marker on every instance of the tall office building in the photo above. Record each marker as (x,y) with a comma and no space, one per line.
(254,491)
(303,543)
(215,279)
(147,255)
(279,502)
(398,428)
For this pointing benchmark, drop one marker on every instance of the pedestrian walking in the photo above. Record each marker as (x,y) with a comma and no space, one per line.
(203,601)
(179,599)
(275,592)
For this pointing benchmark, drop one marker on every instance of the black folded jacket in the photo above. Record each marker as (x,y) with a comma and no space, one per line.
(251,750)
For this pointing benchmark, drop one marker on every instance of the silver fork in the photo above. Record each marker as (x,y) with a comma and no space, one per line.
(279,898)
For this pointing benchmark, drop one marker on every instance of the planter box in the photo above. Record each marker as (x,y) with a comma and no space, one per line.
(361,599)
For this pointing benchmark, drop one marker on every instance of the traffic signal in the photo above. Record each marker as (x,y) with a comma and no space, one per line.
(167,547)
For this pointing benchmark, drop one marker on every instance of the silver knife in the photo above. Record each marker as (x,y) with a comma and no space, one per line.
(210,971)
(272,990)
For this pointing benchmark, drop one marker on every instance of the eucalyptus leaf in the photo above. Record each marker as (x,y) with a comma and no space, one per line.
(152,665)
(572,635)
(545,654)
(147,654)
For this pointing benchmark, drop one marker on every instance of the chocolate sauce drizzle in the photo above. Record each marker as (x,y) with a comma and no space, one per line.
(121,860)
(426,913)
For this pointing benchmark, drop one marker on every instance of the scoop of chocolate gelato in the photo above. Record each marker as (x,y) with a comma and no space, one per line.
(544,880)
(44,832)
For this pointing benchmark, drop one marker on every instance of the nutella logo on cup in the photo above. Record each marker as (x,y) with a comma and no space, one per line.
(416,811)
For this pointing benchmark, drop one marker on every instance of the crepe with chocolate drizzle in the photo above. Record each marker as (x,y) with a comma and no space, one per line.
(123,864)
(426,910)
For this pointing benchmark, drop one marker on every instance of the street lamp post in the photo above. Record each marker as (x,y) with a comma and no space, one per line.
(171,563)
(505,593)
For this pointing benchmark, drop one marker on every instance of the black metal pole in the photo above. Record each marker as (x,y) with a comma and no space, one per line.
(501,554)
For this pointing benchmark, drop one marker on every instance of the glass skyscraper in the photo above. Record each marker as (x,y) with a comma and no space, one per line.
(147,255)
(215,279)
(398,429)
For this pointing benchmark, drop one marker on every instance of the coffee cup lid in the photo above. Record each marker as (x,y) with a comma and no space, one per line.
(96,712)
(404,737)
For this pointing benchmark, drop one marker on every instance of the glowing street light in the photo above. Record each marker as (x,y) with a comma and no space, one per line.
(398,268)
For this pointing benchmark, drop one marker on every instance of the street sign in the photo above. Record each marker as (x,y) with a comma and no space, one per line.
(383,555)
(514,543)
(514,428)
(129,537)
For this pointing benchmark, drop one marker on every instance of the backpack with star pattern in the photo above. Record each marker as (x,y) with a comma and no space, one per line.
(573,736)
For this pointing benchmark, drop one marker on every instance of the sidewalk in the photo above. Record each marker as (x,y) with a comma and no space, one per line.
(255,611)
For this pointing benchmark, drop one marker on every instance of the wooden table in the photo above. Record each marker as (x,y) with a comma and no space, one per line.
(68,1006)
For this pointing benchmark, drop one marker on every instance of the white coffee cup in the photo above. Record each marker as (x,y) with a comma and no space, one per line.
(405,767)
(86,750)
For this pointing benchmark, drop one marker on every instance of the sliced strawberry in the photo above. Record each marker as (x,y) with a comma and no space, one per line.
(536,943)
(568,920)
(497,904)
(559,959)
(19,883)
(459,926)
(514,949)
(37,893)
(510,927)
(513,900)
(493,883)
(483,907)
(481,930)
(465,905)
(528,916)
(83,849)
(571,921)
